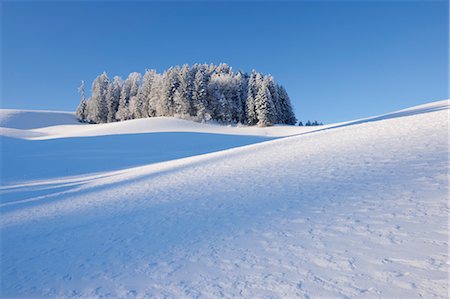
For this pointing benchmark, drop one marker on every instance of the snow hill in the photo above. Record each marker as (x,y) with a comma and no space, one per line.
(169,208)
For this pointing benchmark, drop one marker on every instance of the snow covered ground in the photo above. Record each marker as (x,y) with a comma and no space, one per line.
(169,208)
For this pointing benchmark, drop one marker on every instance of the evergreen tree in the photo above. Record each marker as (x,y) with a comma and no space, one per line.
(170,82)
(123,112)
(136,103)
(145,92)
(273,89)
(155,96)
(200,95)
(253,82)
(81,112)
(129,90)
(182,101)
(241,90)
(113,98)
(98,112)
(287,113)
(263,104)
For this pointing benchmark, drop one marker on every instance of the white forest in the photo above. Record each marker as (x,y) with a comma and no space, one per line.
(201,93)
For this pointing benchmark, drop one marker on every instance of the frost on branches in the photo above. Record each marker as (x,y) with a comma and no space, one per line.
(202,92)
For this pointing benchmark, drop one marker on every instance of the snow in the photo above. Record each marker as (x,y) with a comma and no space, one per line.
(357,209)
(32,119)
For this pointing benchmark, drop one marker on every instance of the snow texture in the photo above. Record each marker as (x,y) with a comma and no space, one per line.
(357,209)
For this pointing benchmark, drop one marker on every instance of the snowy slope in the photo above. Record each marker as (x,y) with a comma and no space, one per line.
(33,119)
(358,209)
(146,125)
(67,148)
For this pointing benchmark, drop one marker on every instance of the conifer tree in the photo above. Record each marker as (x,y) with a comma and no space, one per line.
(98,112)
(263,104)
(81,112)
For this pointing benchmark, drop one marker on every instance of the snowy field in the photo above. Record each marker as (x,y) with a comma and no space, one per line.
(169,208)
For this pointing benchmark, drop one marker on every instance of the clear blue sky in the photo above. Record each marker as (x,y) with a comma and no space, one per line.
(338,60)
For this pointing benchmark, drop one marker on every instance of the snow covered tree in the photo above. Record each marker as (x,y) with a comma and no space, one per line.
(200,95)
(263,104)
(155,96)
(98,111)
(253,85)
(136,103)
(130,88)
(123,112)
(287,113)
(220,97)
(183,95)
(81,112)
(273,89)
(241,97)
(113,97)
(145,92)
(170,82)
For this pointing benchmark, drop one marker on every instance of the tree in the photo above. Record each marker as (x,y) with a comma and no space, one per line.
(136,103)
(123,112)
(81,112)
(98,110)
(241,97)
(170,82)
(253,82)
(183,95)
(145,94)
(263,104)
(130,88)
(155,96)
(286,113)
(113,98)
(273,89)
(200,95)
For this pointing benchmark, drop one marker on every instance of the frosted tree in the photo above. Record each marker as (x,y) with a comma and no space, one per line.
(145,93)
(287,113)
(123,112)
(81,112)
(183,98)
(273,89)
(98,111)
(155,96)
(136,103)
(200,94)
(264,105)
(113,97)
(253,84)
(130,88)
(220,97)
(170,82)
(241,97)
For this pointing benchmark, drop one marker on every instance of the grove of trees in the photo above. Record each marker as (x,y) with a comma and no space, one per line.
(200,92)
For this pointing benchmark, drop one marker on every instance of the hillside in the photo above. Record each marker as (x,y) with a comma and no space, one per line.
(163,207)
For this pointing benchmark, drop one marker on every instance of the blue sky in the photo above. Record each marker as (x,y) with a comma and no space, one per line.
(338,60)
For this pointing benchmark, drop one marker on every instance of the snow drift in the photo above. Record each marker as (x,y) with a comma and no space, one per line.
(357,209)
